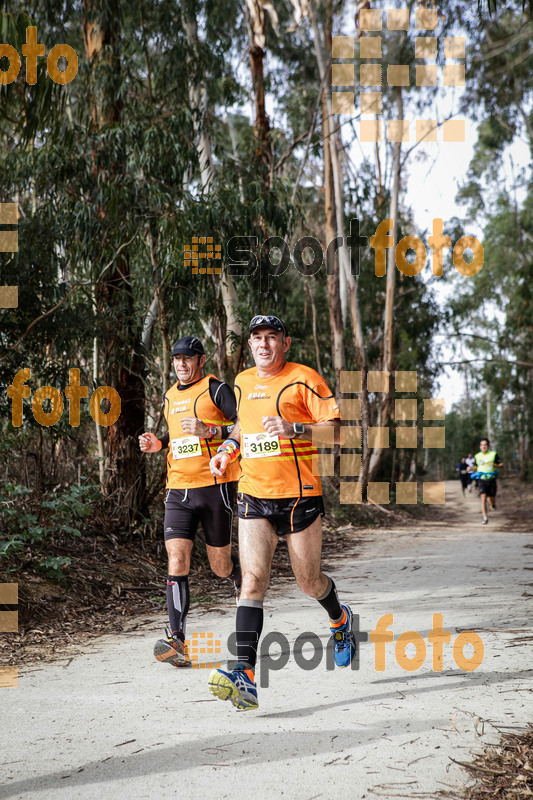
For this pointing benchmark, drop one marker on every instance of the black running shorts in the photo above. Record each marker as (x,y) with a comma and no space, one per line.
(210,505)
(286,514)
(487,486)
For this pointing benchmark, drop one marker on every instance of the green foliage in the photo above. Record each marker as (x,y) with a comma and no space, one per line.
(29,528)
(107,174)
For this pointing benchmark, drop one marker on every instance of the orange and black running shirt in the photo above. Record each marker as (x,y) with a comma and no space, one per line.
(188,456)
(297,394)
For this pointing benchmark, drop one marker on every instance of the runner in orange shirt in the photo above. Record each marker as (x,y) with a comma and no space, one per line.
(198,411)
(281,408)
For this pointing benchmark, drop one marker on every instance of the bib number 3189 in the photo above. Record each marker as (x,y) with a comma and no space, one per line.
(260,445)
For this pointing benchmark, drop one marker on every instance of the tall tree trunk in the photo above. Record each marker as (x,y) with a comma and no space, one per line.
(226,330)
(345,272)
(256,21)
(123,361)
(332,260)
(323,67)
(385,398)
(263,151)
(96,371)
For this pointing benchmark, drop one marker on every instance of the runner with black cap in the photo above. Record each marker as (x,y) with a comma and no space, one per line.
(200,411)
(283,408)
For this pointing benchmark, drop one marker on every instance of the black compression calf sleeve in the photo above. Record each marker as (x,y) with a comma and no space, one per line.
(178,598)
(330,601)
(249,626)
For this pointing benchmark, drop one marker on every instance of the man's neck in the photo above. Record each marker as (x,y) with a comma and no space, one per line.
(182,386)
(270,373)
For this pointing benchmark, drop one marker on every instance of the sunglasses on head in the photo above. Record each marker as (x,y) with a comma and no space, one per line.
(267,319)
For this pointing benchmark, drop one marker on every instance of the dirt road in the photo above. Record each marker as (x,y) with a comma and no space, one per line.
(112,722)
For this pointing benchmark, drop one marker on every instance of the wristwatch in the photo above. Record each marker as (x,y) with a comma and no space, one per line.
(213,431)
(298,428)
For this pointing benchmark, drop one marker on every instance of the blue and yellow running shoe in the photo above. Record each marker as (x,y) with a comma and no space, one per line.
(344,640)
(237,686)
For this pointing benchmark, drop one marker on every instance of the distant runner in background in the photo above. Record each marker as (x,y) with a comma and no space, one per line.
(462,469)
(199,411)
(471,462)
(487,462)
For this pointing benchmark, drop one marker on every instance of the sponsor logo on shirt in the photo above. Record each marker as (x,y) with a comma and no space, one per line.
(181,406)
(258,396)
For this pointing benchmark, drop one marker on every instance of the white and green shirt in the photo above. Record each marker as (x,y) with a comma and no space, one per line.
(485,463)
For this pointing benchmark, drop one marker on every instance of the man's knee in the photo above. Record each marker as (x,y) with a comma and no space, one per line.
(179,562)
(253,584)
(220,560)
(222,568)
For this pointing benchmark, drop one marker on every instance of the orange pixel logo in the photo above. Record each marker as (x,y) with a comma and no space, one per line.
(406,437)
(9,243)
(9,624)
(372,74)
(193,255)
(203,644)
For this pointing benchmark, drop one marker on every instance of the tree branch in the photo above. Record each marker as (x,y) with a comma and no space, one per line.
(46,314)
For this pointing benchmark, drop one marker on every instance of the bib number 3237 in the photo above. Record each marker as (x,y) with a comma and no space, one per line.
(186,447)
(260,445)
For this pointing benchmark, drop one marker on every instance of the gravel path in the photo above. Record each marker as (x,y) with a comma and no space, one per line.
(112,722)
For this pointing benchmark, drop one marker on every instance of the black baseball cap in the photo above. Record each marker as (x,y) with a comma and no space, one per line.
(188,346)
(268,321)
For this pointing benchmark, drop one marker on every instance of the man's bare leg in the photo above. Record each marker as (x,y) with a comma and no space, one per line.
(305,552)
(484,506)
(257,543)
(220,560)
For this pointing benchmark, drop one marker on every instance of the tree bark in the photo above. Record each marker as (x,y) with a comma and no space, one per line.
(334,303)
(332,260)
(345,272)
(256,21)
(226,329)
(123,361)
(385,398)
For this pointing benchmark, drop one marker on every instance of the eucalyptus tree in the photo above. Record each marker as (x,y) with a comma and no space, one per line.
(498,196)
